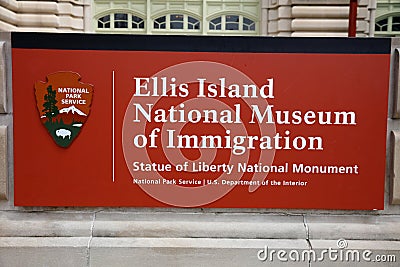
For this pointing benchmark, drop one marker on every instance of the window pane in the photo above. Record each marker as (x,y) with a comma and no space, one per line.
(159,23)
(103,22)
(193,24)
(120,24)
(141,25)
(120,16)
(120,20)
(382,22)
(192,20)
(396,24)
(232,23)
(247,21)
(136,19)
(248,25)
(396,27)
(105,18)
(215,24)
(137,23)
(381,25)
(176,21)
(161,19)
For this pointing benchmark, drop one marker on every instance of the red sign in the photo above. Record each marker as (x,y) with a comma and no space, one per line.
(203,127)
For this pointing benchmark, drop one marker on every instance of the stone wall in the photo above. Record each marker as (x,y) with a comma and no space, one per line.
(315,17)
(49,16)
(5,115)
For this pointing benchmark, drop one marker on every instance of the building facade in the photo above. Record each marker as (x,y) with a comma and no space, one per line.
(206,17)
(98,236)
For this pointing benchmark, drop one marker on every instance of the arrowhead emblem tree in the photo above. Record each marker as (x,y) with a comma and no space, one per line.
(49,106)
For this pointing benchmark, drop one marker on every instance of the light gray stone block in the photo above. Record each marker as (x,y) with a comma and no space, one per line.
(3,84)
(395,82)
(177,252)
(327,25)
(322,34)
(326,12)
(285,12)
(395,167)
(126,238)
(354,227)
(38,252)
(395,197)
(272,15)
(284,34)
(45,224)
(3,163)
(198,225)
(284,25)
(283,2)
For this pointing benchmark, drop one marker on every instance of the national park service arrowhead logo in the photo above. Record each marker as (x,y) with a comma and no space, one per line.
(64,104)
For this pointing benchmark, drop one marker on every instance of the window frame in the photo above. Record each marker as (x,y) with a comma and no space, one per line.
(113,21)
(241,24)
(168,21)
(389,31)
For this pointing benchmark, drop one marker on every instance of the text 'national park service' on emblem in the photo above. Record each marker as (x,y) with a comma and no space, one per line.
(64,104)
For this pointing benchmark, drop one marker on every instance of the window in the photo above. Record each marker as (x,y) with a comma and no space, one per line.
(177,22)
(188,17)
(120,21)
(232,23)
(389,26)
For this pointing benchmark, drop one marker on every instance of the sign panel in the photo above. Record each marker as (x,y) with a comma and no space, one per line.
(227,122)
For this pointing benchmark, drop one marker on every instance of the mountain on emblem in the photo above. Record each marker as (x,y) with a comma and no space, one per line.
(73,110)
(64,105)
